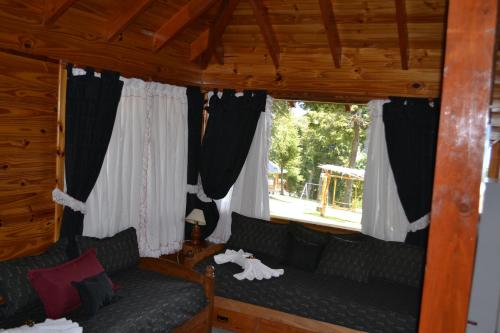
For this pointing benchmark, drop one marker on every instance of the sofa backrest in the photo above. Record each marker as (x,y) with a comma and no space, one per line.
(15,287)
(363,258)
(398,262)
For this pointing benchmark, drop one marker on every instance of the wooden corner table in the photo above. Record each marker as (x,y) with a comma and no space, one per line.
(191,254)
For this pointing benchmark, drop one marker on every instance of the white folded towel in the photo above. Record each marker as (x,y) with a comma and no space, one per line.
(252,268)
(62,325)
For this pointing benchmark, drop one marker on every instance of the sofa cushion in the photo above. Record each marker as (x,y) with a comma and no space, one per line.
(258,236)
(115,253)
(14,283)
(95,292)
(398,262)
(147,302)
(308,235)
(347,259)
(327,298)
(53,285)
(302,254)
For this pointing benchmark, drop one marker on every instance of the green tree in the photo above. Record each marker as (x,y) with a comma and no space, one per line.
(331,135)
(285,147)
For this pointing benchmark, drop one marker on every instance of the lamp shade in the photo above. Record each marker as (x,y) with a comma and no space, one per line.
(196,217)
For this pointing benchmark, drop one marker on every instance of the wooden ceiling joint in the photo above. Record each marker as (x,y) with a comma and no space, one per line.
(125,18)
(401,21)
(54,9)
(331,31)
(216,31)
(262,17)
(179,21)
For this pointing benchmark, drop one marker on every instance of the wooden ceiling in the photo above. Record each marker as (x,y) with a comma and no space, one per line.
(318,49)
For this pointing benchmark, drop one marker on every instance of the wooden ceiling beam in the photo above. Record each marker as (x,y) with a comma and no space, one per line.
(262,18)
(331,30)
(219,53)
(180,20)
(217,30)
(54,9)
(125,18)
(402,32)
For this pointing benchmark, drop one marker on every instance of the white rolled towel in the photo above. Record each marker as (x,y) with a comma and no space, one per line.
(255,269)
(62,325)
(236,257)
(252,268)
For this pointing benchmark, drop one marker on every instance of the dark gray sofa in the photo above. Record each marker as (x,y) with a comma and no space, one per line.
(360,282)
(147,301)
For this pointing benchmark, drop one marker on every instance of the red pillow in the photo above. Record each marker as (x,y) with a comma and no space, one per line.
(53,285)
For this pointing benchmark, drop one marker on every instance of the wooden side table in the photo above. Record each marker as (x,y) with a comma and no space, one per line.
(190,255)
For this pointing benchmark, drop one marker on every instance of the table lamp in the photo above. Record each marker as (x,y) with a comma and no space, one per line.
(197,218)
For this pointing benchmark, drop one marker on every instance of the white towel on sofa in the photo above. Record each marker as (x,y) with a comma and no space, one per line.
(62,325)
(252,268)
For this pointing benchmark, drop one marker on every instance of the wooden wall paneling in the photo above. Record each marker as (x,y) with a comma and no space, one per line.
(77,38)
(60,143)
(467,88)
(28,101)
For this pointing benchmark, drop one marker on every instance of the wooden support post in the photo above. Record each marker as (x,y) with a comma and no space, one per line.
(334,190)
(494,168)
(466,93)
(60,148)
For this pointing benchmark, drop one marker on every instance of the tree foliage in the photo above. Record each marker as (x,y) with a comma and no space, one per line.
(323,135)
(285,148)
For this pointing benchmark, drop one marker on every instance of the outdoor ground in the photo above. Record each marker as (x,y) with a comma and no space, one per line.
(305,210)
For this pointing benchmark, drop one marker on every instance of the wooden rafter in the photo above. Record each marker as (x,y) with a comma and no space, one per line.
(402,32)
(262,18)
(180,20)
(125,18)
(465,98)
(217,30)
(331,30)
(54,9)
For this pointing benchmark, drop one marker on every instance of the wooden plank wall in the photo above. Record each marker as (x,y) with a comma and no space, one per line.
(28,111)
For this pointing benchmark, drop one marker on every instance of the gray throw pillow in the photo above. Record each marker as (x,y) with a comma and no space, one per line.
(14,283)
(115,253)
(258,236)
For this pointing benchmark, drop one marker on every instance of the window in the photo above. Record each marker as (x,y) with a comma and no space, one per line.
(317,161)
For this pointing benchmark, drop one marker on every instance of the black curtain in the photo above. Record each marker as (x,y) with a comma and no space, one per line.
(195,116)
(228,136)
(91,104)
(411,126)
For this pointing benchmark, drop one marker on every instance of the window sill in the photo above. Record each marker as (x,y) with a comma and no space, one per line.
(347,225)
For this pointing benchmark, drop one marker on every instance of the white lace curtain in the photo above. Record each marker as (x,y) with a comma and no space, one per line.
(383,214)
(249,195)
(143,178)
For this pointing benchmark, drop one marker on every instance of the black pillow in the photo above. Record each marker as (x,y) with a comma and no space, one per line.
(95,292)
(115,253)
(258,236)
(308,235)
(347,259)
(303,255)
(14,284)
(398,262)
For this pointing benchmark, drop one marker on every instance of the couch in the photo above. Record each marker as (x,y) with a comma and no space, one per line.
(351,281)
(152,295)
